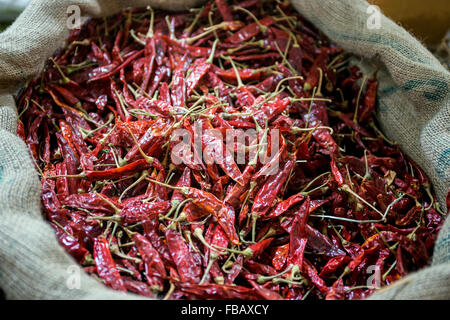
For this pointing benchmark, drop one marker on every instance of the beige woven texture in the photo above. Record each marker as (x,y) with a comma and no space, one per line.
(414,110)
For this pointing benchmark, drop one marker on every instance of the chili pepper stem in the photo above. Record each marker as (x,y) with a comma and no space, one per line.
(47,114)
(212,259)
(360,287)
(184,190)
(228,264)
(149,160)
(355,114)
(24,109)
(347,189)
(292,24)
(270,233)
(136,38)
(113,218)
(219,280)
(283,56)
(121,103)
(294,272)
(102,141)
(77,67)
(86,134)
(367,176)
(428,191)
(319,86)
(187,233)
(156,289)
(438,209)
(310,106)
(343,241)
(116,209)
(62,228)
(140,112)
(174,204)
(259,43)
(378,131)
(314,180)
(179,208)
(63,76)
(88,260)
(238,77)
(277,89)
(112,233)
(189,29)
(76,176)
(290,282)
(171,28)
(169,293)
(213,50)
(263,28)
(297,130)
(115,250)
(255,217)
(307,293)
(198,233)
(247,253)
(152,19)
(261,145)
(383,217)
(307,86)
(179,218)
(263,279)
(291,34)
(139,180)
(206,32)
(389,270)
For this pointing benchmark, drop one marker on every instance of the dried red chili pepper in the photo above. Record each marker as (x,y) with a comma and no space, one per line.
(188,270)
(267,194)
(106,267)
(302,219)
(155,270)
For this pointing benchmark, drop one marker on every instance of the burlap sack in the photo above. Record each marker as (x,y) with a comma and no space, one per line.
(413,110)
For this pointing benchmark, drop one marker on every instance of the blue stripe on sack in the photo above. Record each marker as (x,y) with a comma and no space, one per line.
(393,43)
(442,249)
(385,92)
(376,39)
(443,163)
(440,92)
(383,107)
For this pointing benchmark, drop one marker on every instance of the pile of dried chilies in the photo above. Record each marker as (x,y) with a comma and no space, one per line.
(344,203)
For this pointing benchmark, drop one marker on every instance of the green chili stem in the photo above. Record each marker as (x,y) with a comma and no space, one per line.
(212,258)
(152,19)
(140,179)
(213,50)
(360,221)
(198,233)
(263,28)
(355,115)
(169,293)
(263,279)
(63,76)
(86,134)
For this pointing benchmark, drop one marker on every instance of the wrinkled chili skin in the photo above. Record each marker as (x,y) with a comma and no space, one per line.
(154,266)
(267,194)
(106,267)
(188,270)
(304,198)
